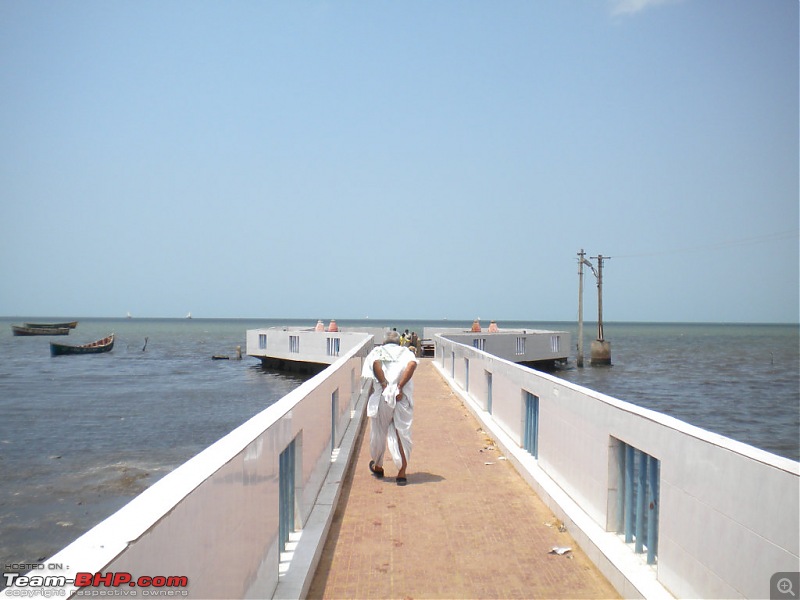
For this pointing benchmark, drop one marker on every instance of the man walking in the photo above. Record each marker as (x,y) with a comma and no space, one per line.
(391,404)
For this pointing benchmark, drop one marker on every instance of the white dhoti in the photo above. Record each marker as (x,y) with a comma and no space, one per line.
(390,419)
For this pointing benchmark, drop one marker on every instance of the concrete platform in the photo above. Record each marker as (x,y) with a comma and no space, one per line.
(466,525)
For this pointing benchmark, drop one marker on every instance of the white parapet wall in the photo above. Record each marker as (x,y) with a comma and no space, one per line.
(213,524)
(728,513)
(298,345)
(515,345)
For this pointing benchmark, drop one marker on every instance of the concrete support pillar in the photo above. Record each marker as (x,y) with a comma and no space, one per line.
(601,353)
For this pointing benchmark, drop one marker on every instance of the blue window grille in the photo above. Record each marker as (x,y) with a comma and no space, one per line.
(286,466)
(453,365)
(530,437)
(262,341)
(466,375)
(479,343)
(489,392)
(520,346)
(294,343)
(638,499)
(333,346)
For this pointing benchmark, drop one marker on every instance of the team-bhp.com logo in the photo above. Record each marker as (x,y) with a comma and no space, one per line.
(95,584)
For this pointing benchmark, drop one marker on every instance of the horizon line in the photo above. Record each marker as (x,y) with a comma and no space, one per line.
(404,319)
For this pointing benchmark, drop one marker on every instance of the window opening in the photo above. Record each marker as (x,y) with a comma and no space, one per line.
(286,476)
(638,499)
(530,438)
(334,416)
(333,346)
(489,392)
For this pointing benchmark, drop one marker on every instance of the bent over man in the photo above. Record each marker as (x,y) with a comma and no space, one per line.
(391,404)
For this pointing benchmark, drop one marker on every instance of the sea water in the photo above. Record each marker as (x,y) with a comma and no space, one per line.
(81,435)
(741,381)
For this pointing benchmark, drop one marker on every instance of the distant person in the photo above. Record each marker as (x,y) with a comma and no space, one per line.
(390,407)
(414,343)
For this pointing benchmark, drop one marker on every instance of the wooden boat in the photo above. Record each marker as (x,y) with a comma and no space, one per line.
(97,347)
(69,324)
(25,330)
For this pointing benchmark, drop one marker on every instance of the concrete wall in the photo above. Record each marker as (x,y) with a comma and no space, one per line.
(539,345)
(729,513)
(215,518)
(311,346)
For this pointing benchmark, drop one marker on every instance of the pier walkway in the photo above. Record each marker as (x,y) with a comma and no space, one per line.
(466,525)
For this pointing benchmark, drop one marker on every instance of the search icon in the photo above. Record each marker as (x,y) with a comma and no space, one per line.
(784,586)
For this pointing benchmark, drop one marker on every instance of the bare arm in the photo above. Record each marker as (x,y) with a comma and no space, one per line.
(408,373)
(377,368)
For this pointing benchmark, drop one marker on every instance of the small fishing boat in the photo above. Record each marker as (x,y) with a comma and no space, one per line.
(96,347)
(25,330)
(68,324)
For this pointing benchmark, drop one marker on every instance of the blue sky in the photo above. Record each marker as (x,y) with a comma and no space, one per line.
(399,160)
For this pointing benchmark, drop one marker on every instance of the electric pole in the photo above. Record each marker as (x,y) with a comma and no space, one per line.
(581,261)
(601,349)
(600,259)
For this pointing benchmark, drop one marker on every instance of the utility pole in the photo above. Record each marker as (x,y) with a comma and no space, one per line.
(581,261)
(601,349)
(600,259)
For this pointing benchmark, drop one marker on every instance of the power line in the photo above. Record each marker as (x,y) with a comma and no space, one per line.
(761,239)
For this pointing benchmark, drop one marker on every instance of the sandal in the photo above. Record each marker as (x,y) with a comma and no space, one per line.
(375,470)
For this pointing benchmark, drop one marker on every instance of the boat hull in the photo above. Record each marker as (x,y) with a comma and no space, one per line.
(98,347)
(18,330)
(67,324)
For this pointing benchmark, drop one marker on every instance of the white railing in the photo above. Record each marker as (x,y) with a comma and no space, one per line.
(215,519)
(727,518)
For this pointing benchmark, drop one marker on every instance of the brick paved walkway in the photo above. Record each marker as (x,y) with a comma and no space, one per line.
(461,528)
